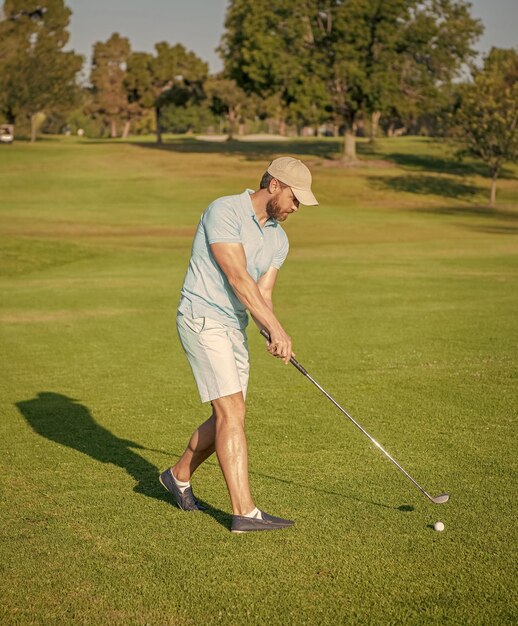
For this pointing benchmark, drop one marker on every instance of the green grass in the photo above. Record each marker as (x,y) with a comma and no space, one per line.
(400,292)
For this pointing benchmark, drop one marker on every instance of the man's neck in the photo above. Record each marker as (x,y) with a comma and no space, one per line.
(259,201)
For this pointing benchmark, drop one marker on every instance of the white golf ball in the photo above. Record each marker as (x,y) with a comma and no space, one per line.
(439,526)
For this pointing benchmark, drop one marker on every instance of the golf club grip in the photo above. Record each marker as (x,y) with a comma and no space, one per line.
(293,360)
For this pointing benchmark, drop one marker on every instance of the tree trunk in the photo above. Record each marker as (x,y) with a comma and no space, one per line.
(493,189)
(282,128)
(241,129)
(349,154)
(375,121)
(113,129)
(158,125)
(34,127)
(231,125)
(126,129)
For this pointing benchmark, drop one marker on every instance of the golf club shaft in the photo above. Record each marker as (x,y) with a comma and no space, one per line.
(302,370)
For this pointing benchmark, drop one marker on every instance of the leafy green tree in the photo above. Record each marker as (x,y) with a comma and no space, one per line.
(376,53)
(343,59)
(486,118)
(308,103)
(173,76)
(177,76)
(138,83)
(437,43)
(192,118)
(228,99)
(36,75)
(267,49)
(274,111)
(109,97)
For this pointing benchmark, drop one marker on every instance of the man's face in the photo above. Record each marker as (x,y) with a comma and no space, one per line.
(281,204)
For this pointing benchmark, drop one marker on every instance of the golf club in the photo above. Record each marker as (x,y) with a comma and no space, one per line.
(440,499)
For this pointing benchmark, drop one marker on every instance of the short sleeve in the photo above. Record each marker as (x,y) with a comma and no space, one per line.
(281,252)
(221,224)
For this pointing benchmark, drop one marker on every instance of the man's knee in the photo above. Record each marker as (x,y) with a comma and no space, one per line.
(230,408)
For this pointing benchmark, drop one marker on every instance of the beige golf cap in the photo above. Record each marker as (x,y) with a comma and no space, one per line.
(296,175)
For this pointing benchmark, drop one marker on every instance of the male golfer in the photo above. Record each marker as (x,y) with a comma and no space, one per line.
(238,249)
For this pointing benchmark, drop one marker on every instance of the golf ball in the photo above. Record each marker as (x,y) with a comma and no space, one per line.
(439,526)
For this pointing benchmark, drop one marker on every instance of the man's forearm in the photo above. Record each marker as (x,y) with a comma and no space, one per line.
(249,294)
(269,304)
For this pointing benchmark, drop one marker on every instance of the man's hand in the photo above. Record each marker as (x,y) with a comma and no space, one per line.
(280,345)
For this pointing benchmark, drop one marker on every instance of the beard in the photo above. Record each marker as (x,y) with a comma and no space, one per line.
(274,211)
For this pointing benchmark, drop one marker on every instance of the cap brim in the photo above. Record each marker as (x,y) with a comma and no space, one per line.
(305,196)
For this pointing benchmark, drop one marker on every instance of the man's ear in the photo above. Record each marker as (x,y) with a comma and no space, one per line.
(274,186)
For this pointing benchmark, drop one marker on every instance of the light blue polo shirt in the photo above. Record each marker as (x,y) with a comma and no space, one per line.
(206,291)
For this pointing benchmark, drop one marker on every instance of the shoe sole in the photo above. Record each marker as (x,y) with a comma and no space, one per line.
(258,530)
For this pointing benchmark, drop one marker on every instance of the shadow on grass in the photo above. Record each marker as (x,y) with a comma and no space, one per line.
(454,189)
(67,422)
(432,163)
(502,214)
(306,486)
(40,139)
(426,185)
(404,507)
(494,230)
(448,164)
(251,150)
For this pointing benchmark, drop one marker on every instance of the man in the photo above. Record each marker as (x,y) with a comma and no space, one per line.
(237,252)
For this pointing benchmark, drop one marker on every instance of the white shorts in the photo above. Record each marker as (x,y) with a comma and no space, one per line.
(217,354)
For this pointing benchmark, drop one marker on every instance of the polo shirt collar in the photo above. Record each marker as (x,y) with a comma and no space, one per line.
(246,203)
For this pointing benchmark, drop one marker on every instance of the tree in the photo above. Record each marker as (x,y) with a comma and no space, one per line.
(267,50)
(373,53)
(486,116)
(192,118)
(227,98)
(176,77)
(138,83)
(348,58)
(437,43)
(307,102)
(35,73)
(109,96)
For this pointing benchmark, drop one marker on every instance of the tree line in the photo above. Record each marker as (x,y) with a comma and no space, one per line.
(339,66)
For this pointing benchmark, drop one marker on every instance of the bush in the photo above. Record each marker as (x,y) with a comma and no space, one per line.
(195,119)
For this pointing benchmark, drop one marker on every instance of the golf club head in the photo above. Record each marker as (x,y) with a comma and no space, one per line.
(441,499)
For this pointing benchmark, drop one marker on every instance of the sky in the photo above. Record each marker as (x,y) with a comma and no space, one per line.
(198,24)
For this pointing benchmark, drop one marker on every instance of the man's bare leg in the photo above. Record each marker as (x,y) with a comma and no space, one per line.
(223,432)
(201,445)
(232,451)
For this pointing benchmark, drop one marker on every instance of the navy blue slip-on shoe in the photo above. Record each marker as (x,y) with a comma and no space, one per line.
(241,524)
(185,500)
